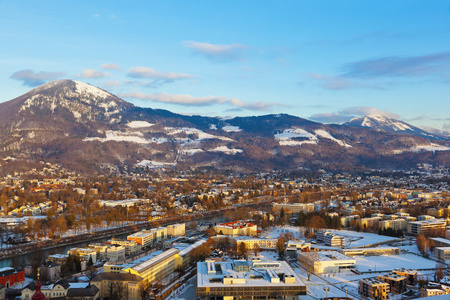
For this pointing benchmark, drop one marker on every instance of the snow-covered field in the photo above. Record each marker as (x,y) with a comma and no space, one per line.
(391,262)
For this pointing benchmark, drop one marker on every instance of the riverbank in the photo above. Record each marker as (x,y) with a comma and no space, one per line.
(28,248)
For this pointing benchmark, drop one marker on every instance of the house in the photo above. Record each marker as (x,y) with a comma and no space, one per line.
(108,283)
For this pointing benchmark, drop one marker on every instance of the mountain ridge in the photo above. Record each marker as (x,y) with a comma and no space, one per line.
(77,124)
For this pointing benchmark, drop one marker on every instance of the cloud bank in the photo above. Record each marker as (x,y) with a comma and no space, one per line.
(347,114)
(32,79)
(144,72)
(91,73)
(188,100)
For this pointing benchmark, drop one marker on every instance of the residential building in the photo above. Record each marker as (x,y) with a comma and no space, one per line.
(86,253)
(10,277)
(100,249)
(368,222)
(151,267)
(51,291)
(176,229)
(87,293)
(116,253)
(294,207)
(397,224)
(251,243)
(373,289)
(423,227)
(257,279)
(130,282)
(326,262)
(334,240)
(397,283)
(237,228)
(434,289)
(411,275)
(442,253)
(51,271)
(131,247)
(149,237)
(436,212)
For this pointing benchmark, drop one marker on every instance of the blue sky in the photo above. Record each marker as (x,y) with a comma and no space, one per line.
(327,61)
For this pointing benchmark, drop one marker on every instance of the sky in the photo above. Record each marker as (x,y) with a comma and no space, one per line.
(326,61)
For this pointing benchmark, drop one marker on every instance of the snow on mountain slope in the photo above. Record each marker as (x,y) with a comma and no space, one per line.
(288,136)
(139,124)
(298,136)
(201,134)
(226,150)
(324,134)
(229,128)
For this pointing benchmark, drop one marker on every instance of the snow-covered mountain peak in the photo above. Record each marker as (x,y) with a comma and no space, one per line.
(81,99)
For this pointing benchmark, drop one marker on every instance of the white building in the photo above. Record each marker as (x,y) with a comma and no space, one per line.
(84,252)
(326,262)
(176,229)
(257,279)
(294,207)
(116,253)
(422,227)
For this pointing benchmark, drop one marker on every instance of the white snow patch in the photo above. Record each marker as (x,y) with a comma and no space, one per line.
(84,88)
(230,128)
(213,127)
(76,114)
(119,137)
(285,138)
(139,124)
(201,134)
(431,147)
(226,150)
(191,151)
(324,134)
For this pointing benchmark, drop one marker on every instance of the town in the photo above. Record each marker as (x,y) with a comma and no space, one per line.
(155,233)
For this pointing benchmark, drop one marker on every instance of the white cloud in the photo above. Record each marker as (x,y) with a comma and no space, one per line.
(91,73)
(216,51)
(144,72)
(188,100)
(32,79)
(109,66)
(111,83)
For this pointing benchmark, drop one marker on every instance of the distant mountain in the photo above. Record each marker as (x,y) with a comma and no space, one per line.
(385,124)
(88,129)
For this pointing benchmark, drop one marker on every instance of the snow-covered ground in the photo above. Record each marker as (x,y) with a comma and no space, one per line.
(391,262)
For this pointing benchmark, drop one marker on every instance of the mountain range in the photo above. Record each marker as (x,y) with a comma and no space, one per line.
(89,129)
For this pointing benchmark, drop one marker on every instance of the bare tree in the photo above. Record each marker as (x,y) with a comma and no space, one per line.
(91,272)
(439,272)
(281,245)
(422,244)
(243,250)
(256,249)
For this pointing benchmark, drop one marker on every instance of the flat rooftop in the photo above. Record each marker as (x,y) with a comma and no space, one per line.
(211,274)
